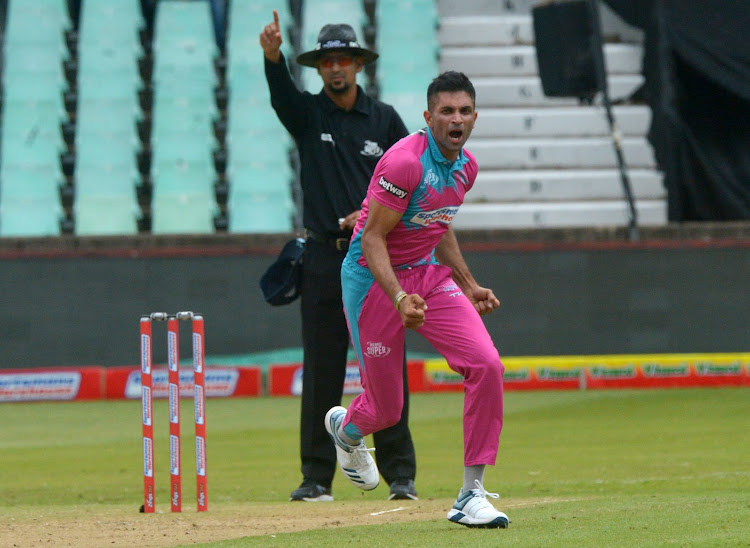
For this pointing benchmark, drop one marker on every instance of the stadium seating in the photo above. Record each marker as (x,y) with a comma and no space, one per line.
(108,45)
(106,215)
(260,212)
(184,80)
(407,26)
(32,85)
(257,142)
(545,162)
(36,22)
(26,216)
(183,213)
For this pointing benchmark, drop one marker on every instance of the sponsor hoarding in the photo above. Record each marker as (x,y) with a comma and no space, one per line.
(221,382)
(59,384)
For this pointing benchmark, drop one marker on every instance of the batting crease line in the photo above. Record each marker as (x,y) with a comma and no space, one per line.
(386,511)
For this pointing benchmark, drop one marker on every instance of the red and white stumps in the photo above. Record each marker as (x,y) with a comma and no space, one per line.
(173,391)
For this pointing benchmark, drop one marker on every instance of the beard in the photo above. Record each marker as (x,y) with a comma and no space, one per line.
(340,89)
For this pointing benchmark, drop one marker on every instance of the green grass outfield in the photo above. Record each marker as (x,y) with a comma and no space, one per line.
(591,468)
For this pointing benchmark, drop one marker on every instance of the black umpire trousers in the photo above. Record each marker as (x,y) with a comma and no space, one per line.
(325,338)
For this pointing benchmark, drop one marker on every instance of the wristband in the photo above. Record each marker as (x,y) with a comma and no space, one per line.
(400,296)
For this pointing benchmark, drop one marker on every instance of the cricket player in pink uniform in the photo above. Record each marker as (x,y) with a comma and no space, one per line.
(404,269)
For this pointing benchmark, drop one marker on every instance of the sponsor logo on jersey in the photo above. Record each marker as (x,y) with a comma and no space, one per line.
(393,189)
(371,149)
(377,350)
(443,215)
(327,137)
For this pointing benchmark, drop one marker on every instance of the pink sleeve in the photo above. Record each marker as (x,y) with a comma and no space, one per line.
(396,176)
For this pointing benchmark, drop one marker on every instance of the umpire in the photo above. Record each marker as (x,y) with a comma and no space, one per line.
(341,133)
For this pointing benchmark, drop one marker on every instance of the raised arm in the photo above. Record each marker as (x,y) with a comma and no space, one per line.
(288,101)
(271,40)
(449,253)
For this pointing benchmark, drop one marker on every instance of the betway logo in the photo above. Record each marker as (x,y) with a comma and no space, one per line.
(393,189)
(443,215)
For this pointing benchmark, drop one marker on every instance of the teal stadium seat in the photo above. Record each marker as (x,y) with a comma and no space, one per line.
(407,19)
(26,217)
(258,212)
(25,58)
(105,181)
(108,85)
(34,86)
(182,177)
(105,215)
(179,118)
(188,148)
(30,149)
(108,117)
(182,136)
(106,150)
(247,81)
(407,26)
(24,117)
(109,22)
(107,58)
(184,34)
(106,138)
(33,183)
(260,176)
(183,213)
(36,21)
(173,83)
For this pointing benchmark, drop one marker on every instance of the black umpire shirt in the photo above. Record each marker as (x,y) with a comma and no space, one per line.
(338,149)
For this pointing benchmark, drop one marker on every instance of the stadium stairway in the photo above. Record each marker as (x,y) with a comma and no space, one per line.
(546,162)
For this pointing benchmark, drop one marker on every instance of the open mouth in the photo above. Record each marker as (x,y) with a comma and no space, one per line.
(455,135)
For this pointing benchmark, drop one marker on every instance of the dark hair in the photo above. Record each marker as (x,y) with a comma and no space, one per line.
(450,81)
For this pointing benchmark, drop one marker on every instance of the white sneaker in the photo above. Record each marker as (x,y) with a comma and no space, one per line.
(355,461)
(474,510)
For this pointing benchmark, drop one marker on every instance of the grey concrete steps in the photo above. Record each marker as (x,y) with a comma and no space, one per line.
(557,214)
(521,60)
(537,185)
(549,153)
(527,91)
(573,121)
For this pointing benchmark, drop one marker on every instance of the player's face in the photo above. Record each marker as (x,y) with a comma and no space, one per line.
(339,71)
(451,119)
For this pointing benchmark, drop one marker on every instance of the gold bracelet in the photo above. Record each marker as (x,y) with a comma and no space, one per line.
(400,296)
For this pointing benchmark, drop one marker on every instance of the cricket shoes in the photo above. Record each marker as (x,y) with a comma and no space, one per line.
(311,491)
(472,509)
(355,461)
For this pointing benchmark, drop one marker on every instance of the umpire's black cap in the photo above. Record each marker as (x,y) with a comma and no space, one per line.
(282,282)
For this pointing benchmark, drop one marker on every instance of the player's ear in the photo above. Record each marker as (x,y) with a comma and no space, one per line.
(428,117)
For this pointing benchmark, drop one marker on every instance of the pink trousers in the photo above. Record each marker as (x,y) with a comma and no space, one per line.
(455,330)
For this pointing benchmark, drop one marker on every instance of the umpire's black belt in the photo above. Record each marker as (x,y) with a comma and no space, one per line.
(338,242)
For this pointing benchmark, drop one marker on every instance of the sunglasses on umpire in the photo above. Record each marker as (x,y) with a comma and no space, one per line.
(342,60)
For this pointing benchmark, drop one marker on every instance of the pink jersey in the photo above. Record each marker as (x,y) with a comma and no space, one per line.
(414,178)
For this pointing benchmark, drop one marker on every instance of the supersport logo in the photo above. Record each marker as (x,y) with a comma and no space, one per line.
(443,215)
